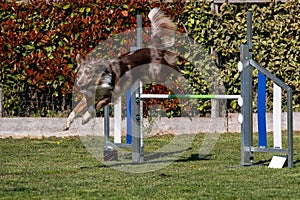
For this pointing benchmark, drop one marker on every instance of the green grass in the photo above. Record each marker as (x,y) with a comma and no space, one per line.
(61,168)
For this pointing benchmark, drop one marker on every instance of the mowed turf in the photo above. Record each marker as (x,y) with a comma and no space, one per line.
(62,168)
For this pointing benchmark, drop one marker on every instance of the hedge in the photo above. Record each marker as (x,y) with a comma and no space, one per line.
(40,39)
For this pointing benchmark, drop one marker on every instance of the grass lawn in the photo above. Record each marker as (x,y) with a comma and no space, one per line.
(61,168)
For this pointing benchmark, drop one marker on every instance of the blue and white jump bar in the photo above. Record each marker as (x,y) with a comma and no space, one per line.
(188,96)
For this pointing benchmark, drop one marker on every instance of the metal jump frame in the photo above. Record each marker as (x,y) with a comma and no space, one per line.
(247,148)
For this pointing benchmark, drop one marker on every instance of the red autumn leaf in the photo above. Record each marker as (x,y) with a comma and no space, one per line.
(125,13)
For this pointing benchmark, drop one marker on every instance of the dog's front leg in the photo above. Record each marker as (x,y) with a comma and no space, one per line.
(80,107)
(90,113)
(103,103)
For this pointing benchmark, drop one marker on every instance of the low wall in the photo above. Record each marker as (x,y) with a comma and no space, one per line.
(47,127)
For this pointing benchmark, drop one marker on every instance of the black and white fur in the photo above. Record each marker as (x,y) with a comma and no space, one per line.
(99,80)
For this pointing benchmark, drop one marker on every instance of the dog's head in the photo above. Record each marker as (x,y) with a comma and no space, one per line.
(91,73)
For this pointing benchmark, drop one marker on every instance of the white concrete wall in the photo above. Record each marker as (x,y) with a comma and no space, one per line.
(46,127)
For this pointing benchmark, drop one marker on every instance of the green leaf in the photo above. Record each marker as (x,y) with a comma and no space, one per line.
(61,43)
(81,10)
(56,4)
(77,35)
(66,7)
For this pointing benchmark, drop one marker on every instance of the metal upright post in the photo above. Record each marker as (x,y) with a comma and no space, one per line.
(290,128)
(249,32)
(246,93)
(139,31)
(136,116)
(137,139)
(139,42)
(216,104)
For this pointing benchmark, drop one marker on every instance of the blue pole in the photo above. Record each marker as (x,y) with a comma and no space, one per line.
(129,119)
(261,111)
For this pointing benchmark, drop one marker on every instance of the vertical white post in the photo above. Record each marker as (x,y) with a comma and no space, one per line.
(277,116)
(141,115)
(117,121)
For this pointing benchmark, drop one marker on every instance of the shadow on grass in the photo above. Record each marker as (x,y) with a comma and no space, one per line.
(296,162)
(195,157)
(262,163)
(156,158)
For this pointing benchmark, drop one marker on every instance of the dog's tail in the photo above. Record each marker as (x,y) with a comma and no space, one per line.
(163,29)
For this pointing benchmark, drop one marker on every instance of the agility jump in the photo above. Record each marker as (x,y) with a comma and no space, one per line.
(245,100)
(246,66)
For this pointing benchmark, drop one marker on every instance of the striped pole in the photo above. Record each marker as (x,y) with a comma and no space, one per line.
(261,111)
(277,116)
(188,96)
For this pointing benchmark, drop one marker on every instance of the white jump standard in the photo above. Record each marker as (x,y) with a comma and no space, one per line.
(246,65)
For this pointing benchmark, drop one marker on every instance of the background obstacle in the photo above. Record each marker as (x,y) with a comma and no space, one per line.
(246,65)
